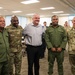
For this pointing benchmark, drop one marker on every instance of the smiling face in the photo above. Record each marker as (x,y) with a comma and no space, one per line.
(2,22)
(15,21)
(36,19)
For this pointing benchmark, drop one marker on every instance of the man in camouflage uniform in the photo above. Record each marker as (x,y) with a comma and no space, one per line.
(56,39)
(4,48)
(15,32)
(67,26)
(71,46)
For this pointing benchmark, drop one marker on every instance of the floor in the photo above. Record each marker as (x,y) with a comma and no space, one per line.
(44,65)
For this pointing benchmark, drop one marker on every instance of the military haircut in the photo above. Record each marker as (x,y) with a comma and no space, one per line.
(54,16)
(13,17)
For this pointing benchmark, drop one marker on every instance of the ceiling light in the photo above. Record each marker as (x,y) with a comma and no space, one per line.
(16,11)
(1,7)
(41,15)
(30,14)
(64,14)
(30,1)
(58,12)
(47,8)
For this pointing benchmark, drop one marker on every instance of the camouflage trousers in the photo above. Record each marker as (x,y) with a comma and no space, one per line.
(15,63)
(72,62)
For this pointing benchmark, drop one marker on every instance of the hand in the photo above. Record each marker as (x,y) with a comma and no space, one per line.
(53,49)
(59,49)
(23,52)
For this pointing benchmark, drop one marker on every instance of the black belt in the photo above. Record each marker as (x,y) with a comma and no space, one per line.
(33,46)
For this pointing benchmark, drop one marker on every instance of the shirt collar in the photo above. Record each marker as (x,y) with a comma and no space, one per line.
(34,25)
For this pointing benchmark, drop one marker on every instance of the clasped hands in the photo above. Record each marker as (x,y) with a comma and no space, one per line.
(56,49)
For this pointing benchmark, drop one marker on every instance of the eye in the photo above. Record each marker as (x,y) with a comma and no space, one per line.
(54,19)
(15,20)
(2,21)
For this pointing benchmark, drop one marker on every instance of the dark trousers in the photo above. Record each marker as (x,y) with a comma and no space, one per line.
(42,55)
(59,57)
(33,59)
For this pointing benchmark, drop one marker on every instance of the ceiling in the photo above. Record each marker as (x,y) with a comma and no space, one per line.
(68,6)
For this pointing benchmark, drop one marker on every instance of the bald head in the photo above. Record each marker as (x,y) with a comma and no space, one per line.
(2,22)
(1,17)
(36,19)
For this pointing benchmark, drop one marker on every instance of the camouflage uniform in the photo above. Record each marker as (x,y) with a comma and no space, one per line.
(71,49)
(67,28)
(15,47)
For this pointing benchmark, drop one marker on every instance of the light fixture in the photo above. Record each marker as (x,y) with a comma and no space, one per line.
(1,7)
(56,12)
(30,14)
(64,14)
(16,11)
(47,8)
(30,1)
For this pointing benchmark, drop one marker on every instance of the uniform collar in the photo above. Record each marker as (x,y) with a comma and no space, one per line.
(13,26)
(54,26)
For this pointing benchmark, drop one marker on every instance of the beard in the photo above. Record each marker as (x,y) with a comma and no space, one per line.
(54,24)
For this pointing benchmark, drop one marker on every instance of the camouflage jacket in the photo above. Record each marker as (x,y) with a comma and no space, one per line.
(67,28)
(15,35)
(71,41)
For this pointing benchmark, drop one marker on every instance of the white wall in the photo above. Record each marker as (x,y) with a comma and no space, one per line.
(22,20)
(48,20)
(62,20)
(29,20)
(25,20)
